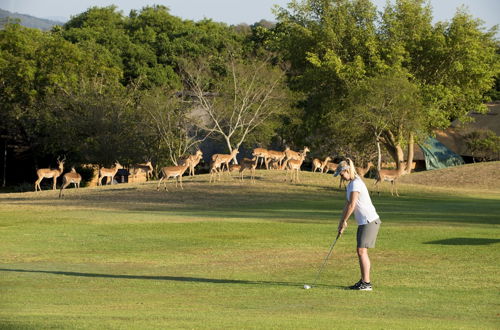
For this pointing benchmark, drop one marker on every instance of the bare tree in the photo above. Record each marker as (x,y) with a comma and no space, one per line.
(234,100)
(168,119)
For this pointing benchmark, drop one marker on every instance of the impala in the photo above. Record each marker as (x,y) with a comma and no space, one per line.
(72,177)
(250,164)
(391,176)
(47,173)
(172,172)
(293,165)
(146,168)
(108,173)
(330,166)
(224,159)
(277,156)
(290,154)
(215,168)
(263,154)
(361,171)
(193,161)
(318,164)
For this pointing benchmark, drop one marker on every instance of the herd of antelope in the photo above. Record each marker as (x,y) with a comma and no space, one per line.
(288,160)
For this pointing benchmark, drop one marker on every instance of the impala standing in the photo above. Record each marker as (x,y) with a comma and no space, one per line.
(261,153)
(172,172)
(72,177)
(250,164)
(108,173)
(224,159)
(391,176)
(146,168)
(290,154)
(318,164)
(47,173)
(193,160)
(294,166)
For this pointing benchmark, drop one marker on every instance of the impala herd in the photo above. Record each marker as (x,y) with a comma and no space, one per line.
(288,160)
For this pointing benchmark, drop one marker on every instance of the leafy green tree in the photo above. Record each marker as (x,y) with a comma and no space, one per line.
(34,67)
(483,144)
(335,45)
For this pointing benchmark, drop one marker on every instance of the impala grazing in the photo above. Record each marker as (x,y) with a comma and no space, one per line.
(391,176)
(108,173)
(47,173)
(175,172)
(72,177)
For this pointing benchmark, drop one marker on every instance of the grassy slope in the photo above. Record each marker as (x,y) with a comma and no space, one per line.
(232,255)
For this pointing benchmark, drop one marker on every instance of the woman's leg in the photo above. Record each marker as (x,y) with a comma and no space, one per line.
(364,264)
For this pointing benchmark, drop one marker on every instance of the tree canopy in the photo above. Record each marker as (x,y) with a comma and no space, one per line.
(98,87)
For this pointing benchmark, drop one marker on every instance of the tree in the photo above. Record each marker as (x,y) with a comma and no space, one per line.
(236,98)
(334,45)
(483,144)
(390,107)
(166,118)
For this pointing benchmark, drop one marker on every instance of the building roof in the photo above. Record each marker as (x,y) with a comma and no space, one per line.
(453,137)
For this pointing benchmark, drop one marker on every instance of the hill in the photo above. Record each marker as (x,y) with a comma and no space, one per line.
(27,20)
(479,175)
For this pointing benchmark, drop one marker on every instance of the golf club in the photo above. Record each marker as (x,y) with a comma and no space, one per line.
(307,287)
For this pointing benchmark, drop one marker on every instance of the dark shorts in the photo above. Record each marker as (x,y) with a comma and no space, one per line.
(367,234)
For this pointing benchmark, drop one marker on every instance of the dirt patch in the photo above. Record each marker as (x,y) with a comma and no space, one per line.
(476,176)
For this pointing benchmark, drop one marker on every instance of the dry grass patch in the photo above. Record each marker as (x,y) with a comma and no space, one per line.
(471,176)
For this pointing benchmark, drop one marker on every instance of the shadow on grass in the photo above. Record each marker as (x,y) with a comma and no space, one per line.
(161,278)
(465,241)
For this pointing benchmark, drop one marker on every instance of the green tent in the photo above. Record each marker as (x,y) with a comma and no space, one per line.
(438,156)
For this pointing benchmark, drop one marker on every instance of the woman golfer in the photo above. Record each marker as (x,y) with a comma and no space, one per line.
(359,202)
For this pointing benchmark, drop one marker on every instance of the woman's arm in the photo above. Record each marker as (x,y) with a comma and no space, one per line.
(348,210)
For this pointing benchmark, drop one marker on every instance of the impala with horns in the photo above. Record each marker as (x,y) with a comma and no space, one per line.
(47,173)
(108,173)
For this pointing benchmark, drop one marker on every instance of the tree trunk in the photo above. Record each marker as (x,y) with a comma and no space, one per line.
(409,157)
(228,142)
(393,147)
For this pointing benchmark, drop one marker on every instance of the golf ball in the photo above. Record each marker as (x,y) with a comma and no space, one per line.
(307,287)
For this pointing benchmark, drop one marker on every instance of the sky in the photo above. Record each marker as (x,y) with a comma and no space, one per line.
(228,11)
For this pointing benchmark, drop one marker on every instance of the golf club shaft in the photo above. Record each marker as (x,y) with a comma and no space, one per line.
(326,259)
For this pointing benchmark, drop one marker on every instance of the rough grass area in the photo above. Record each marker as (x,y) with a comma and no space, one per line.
(472,176)
(235,255)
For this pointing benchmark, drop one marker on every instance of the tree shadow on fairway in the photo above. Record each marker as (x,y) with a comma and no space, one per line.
(465,241)
(158,278)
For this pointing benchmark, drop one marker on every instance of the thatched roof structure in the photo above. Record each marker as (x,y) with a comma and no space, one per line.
(453,137)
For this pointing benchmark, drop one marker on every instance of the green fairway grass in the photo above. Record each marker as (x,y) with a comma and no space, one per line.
(233,255)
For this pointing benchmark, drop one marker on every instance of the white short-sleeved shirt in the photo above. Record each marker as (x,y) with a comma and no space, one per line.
(364,212)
